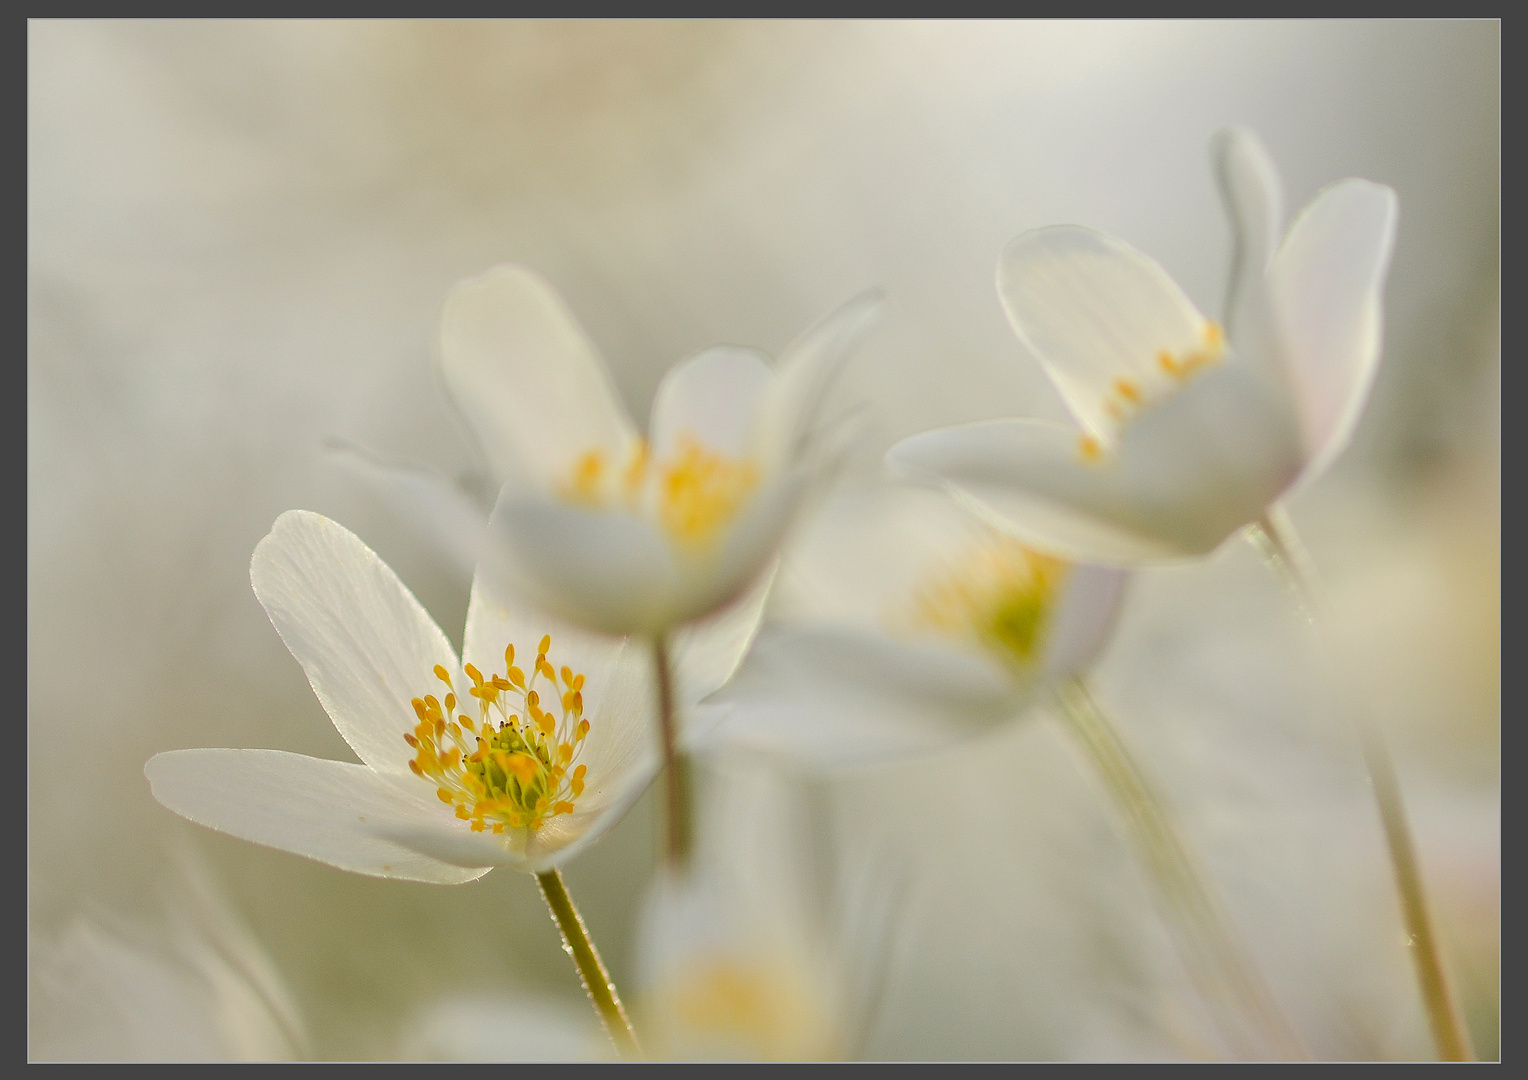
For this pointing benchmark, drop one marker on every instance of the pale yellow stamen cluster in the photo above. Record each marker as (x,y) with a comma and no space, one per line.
(1002,597)
(514,765)
(692,491)
(1126,396)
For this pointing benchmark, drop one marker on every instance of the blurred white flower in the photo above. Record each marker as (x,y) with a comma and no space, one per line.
(737,959)
(490,1026)
(499,769)
(599,525)
(1189,432)
(902,622)
(206,991)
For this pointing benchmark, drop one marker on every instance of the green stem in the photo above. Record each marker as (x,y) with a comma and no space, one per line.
(676,763)
(575,940)
(1275,536)
(1223,973)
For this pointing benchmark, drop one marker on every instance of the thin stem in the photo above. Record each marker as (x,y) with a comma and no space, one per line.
(676,763)
(1275,535)
(1225,976)
(575,941)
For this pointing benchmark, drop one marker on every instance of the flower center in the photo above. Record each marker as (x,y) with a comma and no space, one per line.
(765,1008)
(1126,397)
(510,766)
(1002,597)
(692,491)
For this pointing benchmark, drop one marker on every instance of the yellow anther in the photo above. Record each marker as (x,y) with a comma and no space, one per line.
(461,812)
(442,674)
(474,674)
(445,796)
(583,729)
(498,827)
(1128,390)
(700,491)
(501,683)
(636,468)
(411,740)
(509,656)
(1002,595)
(418,704)
(1166,362)
(517,677)
(450,702)
(578,682)
(567,676)
(562,808)
(565,752)
(1214,337)
(414,767)
(477,824)
(546,644)
(1090,448)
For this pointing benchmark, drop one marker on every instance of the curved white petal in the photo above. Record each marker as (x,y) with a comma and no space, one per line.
(527,378)
(1085,617)
(826,697)
(448,515)
(606,570)
(1094,310)
(805,370)
(705,653)
(1326,283)
(713,398)
(331,811)
(1185,475)
(1254,198)
(368,647)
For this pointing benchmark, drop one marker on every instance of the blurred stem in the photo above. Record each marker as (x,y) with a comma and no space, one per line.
(676,762)
(1275,536)
(575,940)
(1223,973)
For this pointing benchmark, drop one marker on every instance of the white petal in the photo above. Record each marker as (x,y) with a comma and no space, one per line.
(605,570)
(368,647)
(1326,282)
(1085,617)
(427,499)
(706,653)
(1254,198)
(331,811)
(1095,310)
(825,697)
(713,398)
(804,372)
(1185,475)
(527,378)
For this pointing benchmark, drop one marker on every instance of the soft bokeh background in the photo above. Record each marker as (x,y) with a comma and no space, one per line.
(239,237)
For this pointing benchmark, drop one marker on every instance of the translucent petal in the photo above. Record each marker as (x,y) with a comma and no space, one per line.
(1185,475)
(825,697)
(527,378)
(331,811)
(1095,311)
(1326,282)
(368,647)
(1254,199)
(1085,618)
(805,370)
(706,652)
(713,397)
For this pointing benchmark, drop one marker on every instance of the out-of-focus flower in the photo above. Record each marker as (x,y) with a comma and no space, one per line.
(737,959)
(1189,431)
(902,621)
(489,1026)
(462,770)
(599,525)
(208,993)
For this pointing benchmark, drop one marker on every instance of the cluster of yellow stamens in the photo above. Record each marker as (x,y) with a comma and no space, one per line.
(1002,597)
(1126,396)
(514,764)
(692,491)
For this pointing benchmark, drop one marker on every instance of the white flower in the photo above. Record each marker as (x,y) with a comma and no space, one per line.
(1188,433)
(900,622)
(466,766)
(739,959)
(599,525)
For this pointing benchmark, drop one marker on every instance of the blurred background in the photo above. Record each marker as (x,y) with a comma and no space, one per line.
(239,238)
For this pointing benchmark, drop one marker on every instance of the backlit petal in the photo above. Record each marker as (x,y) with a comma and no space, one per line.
(1095,312)
(712,398)
(527,378)
(368,647)
(1085,618)
(1254,200)
(331,811)
(1326,283)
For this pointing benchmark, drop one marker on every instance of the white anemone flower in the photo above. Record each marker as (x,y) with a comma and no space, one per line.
(606,528)
(902,622)
(1189,431)
(466,764)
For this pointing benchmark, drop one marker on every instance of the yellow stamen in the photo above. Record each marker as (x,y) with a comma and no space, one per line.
(1089,447)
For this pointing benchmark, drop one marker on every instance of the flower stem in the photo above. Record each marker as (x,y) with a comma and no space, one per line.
(677,763)
(575,940)
(1275,536)
(1223,973)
